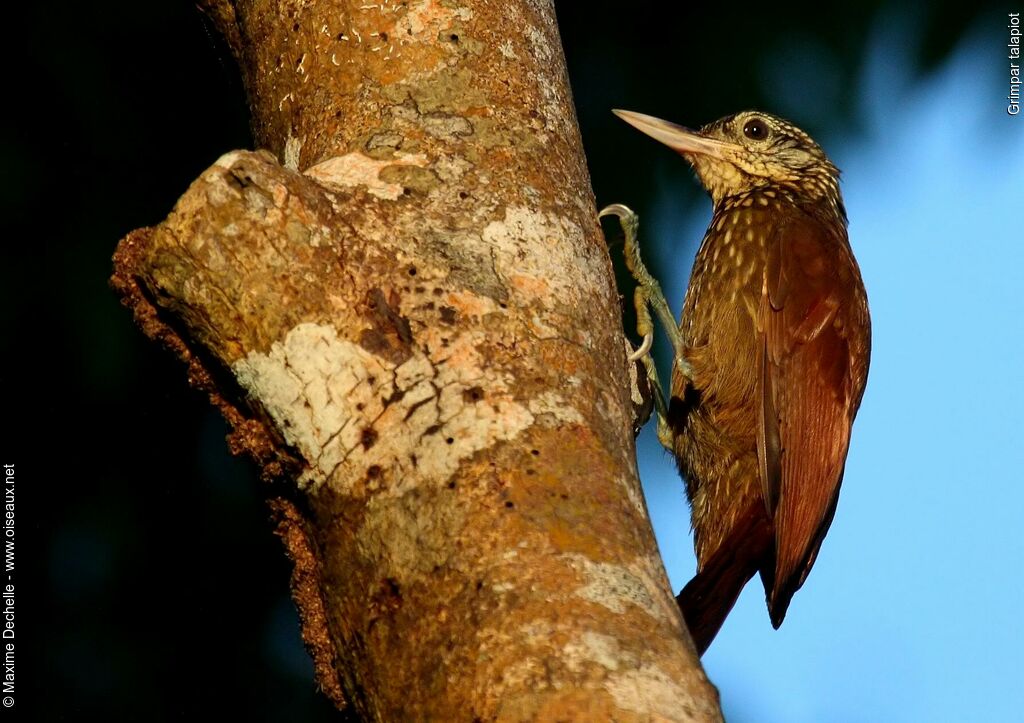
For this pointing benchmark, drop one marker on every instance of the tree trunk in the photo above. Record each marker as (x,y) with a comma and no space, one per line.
(412,326)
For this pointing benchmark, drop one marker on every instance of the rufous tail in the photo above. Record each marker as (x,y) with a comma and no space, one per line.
(710,595)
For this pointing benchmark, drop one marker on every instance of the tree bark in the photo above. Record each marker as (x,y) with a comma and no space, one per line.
(419,339)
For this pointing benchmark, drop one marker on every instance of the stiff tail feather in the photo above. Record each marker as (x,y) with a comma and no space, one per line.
(710,595)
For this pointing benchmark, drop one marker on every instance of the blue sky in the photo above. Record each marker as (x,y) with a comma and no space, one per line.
(913,611)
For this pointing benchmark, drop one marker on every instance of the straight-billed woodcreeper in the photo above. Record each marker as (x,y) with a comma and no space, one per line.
(771,358)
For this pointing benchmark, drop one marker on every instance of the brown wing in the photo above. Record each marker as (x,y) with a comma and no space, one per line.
(814,326)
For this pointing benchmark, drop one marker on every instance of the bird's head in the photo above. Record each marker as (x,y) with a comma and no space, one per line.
(747,151)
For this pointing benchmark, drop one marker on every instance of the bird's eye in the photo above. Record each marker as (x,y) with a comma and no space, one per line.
(755,129)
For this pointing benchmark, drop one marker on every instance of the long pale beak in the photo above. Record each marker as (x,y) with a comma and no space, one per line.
(676,137)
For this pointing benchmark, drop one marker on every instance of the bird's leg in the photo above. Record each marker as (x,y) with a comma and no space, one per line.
(648,295)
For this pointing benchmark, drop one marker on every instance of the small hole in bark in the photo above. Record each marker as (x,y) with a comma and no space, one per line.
(535,452)
(368,437)
(473,394)
(412,458)
(373,471)
(450,440)
(463,195)
(451,485)
(531,472)
(295,27)
(412,271)
(438,291)
(564,496)
(510,504)
(384,37)
(454,38)
(359,406)
(371,380)
(406,191)
(479,586)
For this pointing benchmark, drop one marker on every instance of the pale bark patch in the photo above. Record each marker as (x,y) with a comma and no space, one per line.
(648,690)
(538,254)
(556,407)
(431,15)
(593,647)
(311,385)
(354,414)
(356,169)
(292,151)
(616,587)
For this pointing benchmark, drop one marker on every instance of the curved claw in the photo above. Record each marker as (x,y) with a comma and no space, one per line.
(645,346)
(616,209)
(628,220)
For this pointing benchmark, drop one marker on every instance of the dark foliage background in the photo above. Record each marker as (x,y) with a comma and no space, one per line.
(150,584)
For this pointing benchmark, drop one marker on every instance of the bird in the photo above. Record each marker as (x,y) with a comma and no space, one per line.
(771,356)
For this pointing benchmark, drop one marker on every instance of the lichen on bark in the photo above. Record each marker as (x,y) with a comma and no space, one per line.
(406,311)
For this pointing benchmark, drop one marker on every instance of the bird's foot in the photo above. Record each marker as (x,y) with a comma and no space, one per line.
(646,296)
(641,393)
